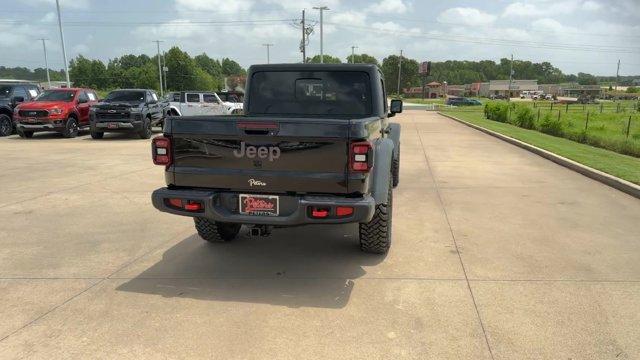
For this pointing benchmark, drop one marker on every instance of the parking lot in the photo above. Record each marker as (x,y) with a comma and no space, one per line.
(497,253)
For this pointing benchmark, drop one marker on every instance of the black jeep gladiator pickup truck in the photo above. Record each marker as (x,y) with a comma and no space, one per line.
(315,146)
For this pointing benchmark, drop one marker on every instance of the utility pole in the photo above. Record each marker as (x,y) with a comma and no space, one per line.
(618,75)
(510,77)
(159,67)
(399,71)
(303,44)
(164,71)
(64,52)
(268,46)
(322,9)
(353,54)
(46,64)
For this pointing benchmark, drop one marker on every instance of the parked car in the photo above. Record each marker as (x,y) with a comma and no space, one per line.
(127,110)
(497,97)
(303,154)
(190,103)
(11,95)
(457,101)
(64,110)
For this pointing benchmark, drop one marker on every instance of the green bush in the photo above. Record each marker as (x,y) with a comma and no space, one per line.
(524,117)
(496,111)
(552,126)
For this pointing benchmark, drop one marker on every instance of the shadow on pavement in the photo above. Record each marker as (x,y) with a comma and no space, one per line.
(295,267)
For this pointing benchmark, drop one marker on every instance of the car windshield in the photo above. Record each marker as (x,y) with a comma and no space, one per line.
(56,95)
(319,93)
(5,91)
(126,96)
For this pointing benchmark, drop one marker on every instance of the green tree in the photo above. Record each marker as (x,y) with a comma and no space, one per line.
(362,59)
(410,76)
(586,79)
(328,59)
(230,67)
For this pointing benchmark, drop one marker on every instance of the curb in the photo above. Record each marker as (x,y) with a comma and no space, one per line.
(610,180)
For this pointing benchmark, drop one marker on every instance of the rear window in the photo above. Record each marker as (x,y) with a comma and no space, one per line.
(318,93)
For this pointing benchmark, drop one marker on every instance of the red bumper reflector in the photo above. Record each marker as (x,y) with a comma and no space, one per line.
(344,210)
(319,213)
(193,206)
(175,203)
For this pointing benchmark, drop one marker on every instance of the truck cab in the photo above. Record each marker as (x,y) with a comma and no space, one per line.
(315,146)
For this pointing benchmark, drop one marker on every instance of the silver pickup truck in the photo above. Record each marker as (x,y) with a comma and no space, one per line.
(198,103)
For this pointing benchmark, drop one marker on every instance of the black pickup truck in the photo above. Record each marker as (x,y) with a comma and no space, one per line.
(315,146)
(127,110)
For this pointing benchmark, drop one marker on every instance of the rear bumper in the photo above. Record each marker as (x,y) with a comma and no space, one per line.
(294,210)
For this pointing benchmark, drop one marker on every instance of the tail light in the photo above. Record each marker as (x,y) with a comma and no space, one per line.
(188,205)
(161,150)
(361,156)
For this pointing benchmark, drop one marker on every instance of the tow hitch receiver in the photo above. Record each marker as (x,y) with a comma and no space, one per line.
(261,230)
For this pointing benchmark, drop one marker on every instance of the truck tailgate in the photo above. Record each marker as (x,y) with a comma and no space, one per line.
(268,155)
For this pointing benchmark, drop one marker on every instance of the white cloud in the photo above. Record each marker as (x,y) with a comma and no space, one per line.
(388,7)
(64,4)
(298,5)
(591,5)
(542,8)
(357,18)
(466,16)
(220,6)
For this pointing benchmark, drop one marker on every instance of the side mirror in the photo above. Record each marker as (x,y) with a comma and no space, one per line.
(396,107)
(82,101)
(151,102)
(18,99)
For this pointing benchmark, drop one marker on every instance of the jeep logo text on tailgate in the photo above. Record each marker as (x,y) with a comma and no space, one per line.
(262,152)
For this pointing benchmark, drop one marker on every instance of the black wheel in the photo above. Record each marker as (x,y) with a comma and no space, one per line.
(71,128)
(375,236)
(6,127)
(146,132)
(395,170)
(97,135)
(25,134)
(213,231)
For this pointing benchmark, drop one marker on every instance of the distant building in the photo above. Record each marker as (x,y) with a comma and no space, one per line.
(501,87)
(571,89)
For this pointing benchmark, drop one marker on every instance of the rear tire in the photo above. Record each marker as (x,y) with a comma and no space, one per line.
(375,236)
(395,170)
(215,232)
(6,126)
(71,128)
(25,134)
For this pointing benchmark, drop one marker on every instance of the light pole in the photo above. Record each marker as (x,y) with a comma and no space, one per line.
(353,54)
(510,77)
(399,71)
(46,64)
(159,67)
(267,46)
(64,52)
(322,9)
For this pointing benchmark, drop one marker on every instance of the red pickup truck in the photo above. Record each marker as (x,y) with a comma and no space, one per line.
(64,110)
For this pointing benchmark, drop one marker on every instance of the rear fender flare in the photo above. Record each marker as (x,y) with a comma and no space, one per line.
(394,135)
(173,108)
(383,154)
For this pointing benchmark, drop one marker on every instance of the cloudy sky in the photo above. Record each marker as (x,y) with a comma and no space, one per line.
(575,35)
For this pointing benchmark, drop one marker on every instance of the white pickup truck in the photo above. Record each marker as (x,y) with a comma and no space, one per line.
(190,103)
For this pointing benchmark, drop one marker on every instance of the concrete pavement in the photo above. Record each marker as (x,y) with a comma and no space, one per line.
(497,253)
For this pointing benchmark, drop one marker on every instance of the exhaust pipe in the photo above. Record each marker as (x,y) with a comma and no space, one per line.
(261,230)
